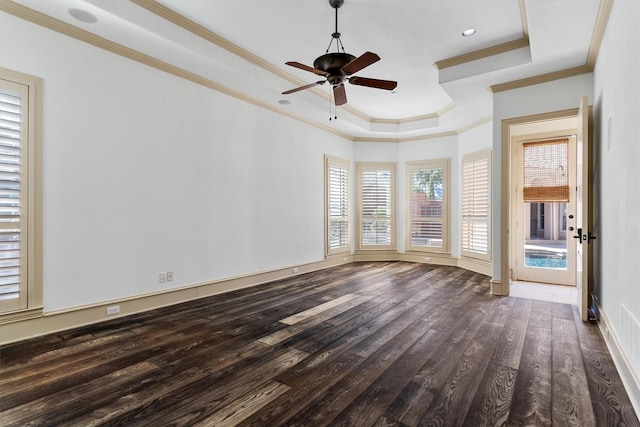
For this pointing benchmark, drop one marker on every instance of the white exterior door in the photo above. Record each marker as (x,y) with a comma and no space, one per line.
(544,248)
(584,230)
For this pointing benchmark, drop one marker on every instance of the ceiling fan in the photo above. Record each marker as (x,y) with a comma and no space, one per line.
(338,67)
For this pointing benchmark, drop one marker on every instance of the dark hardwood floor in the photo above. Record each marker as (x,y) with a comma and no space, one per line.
(365,344)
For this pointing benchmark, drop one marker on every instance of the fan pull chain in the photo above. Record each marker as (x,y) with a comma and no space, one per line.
(335,107)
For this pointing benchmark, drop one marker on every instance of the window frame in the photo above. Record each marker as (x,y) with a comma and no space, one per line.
(331,161)
(445,219)
(375,166)
(482,155)
(31,283)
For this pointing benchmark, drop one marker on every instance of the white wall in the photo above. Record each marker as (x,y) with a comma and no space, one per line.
(617,91)
(145,172)
(476,139)
(557,95)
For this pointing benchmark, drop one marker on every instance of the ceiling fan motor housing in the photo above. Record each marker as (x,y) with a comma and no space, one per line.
(332,64)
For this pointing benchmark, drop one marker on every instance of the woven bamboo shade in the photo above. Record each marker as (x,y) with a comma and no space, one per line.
(546,170)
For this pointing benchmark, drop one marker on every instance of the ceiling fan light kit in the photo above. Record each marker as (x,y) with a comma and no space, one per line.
(338,67)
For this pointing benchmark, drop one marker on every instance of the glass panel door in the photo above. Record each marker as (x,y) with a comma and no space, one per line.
(545,239)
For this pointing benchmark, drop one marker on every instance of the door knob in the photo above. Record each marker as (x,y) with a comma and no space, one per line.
(579,235)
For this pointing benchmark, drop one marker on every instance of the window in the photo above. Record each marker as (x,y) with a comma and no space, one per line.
(476,203)
(427,205)
(376,205)
(546,171)
(20,223)
(337,205)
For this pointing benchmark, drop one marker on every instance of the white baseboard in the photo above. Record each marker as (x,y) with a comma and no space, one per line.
(627,372)
(476,265)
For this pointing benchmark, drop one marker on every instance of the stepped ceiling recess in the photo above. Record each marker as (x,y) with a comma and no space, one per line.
(445,80)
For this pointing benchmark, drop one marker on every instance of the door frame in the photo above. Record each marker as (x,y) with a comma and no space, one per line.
(505,178)
(568,277)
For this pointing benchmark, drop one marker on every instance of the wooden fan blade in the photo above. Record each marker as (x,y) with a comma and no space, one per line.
(340,95)
(360,62)
(378,84)
(321,82)
(306,68)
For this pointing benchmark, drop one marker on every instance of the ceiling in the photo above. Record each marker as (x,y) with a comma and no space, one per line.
(444,80)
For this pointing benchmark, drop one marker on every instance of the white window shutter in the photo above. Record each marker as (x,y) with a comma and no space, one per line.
(376,205)
(338,229)
(476,215)
(427,191)
(12,108)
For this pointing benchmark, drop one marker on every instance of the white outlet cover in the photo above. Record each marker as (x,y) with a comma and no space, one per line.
(114,309)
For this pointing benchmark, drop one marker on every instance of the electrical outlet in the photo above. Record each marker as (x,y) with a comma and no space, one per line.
(427,259)
(163,277)
(295,270)
(113,309)
(344,259)
(169,276)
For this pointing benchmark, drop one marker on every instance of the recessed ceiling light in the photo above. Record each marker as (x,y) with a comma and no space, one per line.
(469,32)
(284,102)
(83,15)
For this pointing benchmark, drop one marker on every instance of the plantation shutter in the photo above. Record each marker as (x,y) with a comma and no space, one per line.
(546,172)
(476,170)
(338,205)
(427,204)
(376,207)
(13,117)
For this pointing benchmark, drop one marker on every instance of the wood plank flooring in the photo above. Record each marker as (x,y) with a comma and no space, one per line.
(365,344)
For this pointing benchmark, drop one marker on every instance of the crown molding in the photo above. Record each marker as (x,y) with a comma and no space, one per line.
(61,27)
(463,129)
(435,115)
(408,138)
(600,27)
(475,124)
(542,78)
(176,18)
(153,6)
(204,33)
(523,19)
(482,53)
(182,21)
(69,30)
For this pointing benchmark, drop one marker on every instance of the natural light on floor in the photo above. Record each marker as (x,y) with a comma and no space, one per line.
(544,292)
